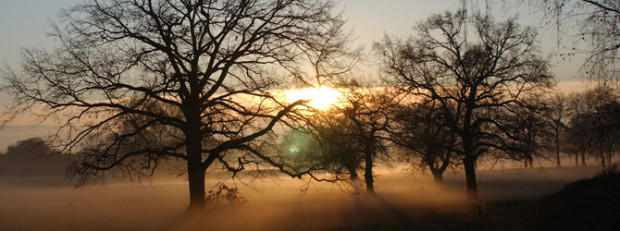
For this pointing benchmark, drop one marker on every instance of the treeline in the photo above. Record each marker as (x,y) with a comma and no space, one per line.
(450,102)
(35,158)
(32,158)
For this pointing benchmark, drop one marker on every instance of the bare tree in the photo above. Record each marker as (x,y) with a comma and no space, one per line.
(418,128)
(352,133)
(527,129)
(557,117)
(203,70)
(576,134)
(368,110)
(338,149)
(470,80)
(591,21)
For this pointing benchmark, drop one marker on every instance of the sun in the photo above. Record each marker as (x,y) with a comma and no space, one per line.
(321,98)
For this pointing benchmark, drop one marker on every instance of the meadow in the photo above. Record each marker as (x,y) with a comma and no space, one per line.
(403,201)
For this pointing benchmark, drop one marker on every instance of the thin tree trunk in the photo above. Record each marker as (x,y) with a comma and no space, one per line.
(528,162)
(557,146)
(609,154)
(470,176)
(583,158)
(576,159)
(354,180)
(370,188)
(602,155)
(557,153)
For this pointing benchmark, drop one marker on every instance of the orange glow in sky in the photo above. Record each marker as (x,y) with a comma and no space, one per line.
(322,98)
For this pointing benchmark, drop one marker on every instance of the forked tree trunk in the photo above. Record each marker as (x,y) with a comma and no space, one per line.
(354,180)
(437,175)
(370,188)
(470,176)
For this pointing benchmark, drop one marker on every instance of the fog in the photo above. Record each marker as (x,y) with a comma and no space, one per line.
(403,200)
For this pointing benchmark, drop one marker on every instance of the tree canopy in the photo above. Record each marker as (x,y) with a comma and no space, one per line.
(473,80)
(200,74)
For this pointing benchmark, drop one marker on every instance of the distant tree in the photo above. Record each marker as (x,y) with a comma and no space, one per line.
(352,132)
(205,70)
(367,109)
(32,157)
(528,129)
(418,128)
(557,117)
(471,80)
(603,130)
(593,125)
(341,154)
(577,135)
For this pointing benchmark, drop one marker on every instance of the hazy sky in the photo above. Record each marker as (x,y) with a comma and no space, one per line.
(23,24)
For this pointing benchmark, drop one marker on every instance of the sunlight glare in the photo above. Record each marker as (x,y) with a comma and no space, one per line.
(322,98)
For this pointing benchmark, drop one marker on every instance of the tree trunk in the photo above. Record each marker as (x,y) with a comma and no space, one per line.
(528,162)
(610,152)
(196,177)
(583,158)
(195,174)
(370,188)
(470,176)
(195,167)
(602,155)
(576,159)
(557,146)
(353,174)
(557,153)
(438,176)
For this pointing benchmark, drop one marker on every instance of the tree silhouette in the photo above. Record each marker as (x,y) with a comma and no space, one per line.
(527,128)
(588,21)
(368,110)
(557,118)
(418,128)
(471,80)
(32,157)
(351,133)
(593,125)
(326,144)
(202,72)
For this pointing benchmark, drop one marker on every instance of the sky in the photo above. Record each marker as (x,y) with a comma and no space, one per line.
(24,23)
